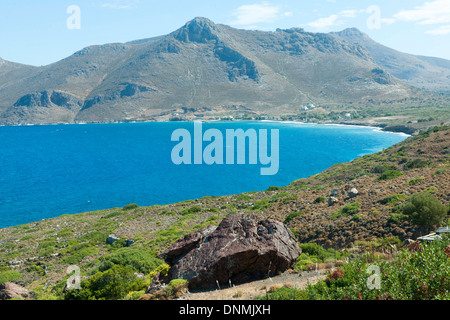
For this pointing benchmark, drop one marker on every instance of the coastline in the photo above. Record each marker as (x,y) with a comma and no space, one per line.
(400,129)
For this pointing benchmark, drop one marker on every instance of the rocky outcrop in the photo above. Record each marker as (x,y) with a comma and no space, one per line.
(112,238)
(240,249)
(11,290)
(200,30)
(43,107)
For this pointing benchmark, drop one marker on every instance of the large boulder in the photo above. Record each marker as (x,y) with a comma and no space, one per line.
(11,290)
(240,249)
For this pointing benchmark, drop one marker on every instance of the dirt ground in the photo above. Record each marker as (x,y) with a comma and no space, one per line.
(249,291)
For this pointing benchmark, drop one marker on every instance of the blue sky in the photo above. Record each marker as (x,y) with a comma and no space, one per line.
(39,32)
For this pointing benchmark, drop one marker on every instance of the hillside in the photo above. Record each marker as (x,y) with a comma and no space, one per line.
(208,70)
(418,71)
(36,255)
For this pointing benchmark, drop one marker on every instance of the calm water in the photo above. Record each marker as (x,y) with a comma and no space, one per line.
(47,171)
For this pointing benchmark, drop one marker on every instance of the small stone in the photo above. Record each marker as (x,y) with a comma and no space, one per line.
(332,201)
(353,193)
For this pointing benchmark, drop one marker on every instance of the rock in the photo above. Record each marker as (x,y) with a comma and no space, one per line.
(11,290)
(353,193)
(14,262)
(240,249)
(155,285)
(112,238)
(332,201)
(140,275)
(334,193)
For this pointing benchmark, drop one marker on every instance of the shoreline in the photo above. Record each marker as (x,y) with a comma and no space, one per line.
(399,129)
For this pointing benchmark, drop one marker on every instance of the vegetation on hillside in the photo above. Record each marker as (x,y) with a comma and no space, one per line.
(420,272)
(359,231)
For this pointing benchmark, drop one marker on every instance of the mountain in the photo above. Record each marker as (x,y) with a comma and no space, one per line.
(201,68)
(422,72)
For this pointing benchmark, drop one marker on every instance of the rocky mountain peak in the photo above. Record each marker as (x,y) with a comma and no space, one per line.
(197,30)
(351,33)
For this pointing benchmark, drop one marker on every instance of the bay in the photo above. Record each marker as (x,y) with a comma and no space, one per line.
(50,170)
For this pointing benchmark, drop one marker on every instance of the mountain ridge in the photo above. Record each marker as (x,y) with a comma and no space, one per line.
(428,73)
(202,67)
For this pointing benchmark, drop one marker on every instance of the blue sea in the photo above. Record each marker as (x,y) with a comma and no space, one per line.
(47,171)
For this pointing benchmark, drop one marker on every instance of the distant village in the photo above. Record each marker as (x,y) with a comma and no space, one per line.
(306,113)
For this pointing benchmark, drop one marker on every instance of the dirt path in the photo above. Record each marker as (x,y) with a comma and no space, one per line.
(249,291)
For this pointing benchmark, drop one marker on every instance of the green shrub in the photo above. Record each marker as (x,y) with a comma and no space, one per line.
(140,260)
(74,254)
(36,268)
(95,237)
(440,171)
(424,210)
(388,242)
(397,218)
(112,284)
(167,213)
(64,233)
(280,195)
(8,276)
(115,214)
(261,204)
(163,269)
(320,200)
(47,244)
(313,253)
(273,188)
(347,210)
(416,163)
(393,199)
(303,260)
(357,217)
(292,216)
(176,282)
(312,249)
(243,197)
(389,175)
(379,169)
(415,181)
(130,206)
(420,275)
(284,293)
(190,210)
(47,252)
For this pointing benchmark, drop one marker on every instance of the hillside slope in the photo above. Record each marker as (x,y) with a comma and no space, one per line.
(203,68)
(422,72)
(37,254)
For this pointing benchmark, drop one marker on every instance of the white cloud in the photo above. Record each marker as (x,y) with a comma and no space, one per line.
(324,23)
(252,14)
(334,19)
(435,12)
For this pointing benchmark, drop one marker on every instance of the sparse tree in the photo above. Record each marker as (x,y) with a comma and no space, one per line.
(424,210)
